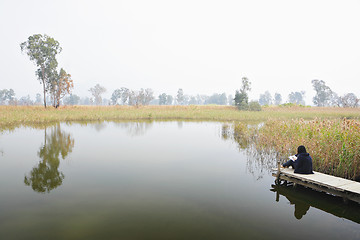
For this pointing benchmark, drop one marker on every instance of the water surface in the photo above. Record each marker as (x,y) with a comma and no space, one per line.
(153,180)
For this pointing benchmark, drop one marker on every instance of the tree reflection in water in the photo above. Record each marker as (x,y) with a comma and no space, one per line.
(46,175)
(135,128)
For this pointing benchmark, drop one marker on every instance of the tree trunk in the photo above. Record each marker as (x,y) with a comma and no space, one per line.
(44,93)
(43,80)
(57,100)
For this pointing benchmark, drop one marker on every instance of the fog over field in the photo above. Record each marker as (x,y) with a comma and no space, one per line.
(203,47)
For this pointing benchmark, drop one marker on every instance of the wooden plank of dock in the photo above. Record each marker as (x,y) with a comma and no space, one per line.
(322,182)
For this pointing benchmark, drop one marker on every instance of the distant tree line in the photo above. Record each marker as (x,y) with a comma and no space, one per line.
(125,96)
(294,97)
(57,87)
(184,99)
(324,97)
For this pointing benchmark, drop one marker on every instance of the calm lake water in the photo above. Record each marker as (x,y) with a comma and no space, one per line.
(153,180)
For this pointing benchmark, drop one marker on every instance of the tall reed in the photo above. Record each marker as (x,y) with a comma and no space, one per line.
(333,144)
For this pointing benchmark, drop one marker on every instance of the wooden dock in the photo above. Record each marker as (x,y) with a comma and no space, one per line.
(347,189)
(304,198)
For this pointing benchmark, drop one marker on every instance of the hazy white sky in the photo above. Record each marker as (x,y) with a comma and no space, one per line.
(201,46)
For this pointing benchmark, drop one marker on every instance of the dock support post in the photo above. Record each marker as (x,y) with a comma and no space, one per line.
(277,180)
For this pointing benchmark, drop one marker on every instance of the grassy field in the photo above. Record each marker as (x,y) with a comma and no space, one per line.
(19,115)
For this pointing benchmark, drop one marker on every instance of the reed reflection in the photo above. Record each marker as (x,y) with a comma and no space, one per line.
(259,161)
(46,175)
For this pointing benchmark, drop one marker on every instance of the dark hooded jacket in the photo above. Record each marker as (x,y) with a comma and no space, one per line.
(303,163)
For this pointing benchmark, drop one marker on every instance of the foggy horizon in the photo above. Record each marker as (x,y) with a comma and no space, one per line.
(203,47)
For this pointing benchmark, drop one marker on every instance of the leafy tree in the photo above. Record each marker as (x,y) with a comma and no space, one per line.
(10,95)
(193,100)
(231,100)
(216,98)
(297,97)
(132,98)
(254,106)
(38,99)
(96,92)
(124,95)
(323,93)
(115,96)
(241,97)
(142,97)
(222,99)
(201,99)
(60,85)
(72,100)
(2,96)
(186,100)
(180,97)
(265,99)
(169,100)
(277,99)
(25,101)
(85,101)
(7,96)
(42,50)
(162,99)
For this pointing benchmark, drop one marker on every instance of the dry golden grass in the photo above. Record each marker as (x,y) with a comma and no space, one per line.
(14,116)
(38,114)
(333,144)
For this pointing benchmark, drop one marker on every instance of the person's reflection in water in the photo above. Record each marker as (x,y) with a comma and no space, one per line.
(301,206)
(46,176)
(300,209)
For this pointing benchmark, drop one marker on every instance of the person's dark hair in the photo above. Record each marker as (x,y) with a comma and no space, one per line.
(301,149)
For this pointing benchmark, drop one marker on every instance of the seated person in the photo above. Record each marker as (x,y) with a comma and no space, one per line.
(302,163)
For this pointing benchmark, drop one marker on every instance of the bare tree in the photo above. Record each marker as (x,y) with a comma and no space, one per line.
(148,96)
(349,100)
(96,92)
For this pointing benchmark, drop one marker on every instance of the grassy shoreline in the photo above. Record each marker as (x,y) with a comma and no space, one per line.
(20,115)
